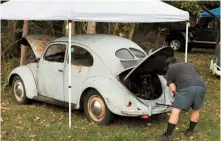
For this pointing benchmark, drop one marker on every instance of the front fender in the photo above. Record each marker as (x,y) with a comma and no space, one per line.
(116,96)
(189,35)
(27,77)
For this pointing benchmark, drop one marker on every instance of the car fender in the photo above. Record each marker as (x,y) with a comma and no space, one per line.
(115,95)
(189,35)
(27,77)
(182,34)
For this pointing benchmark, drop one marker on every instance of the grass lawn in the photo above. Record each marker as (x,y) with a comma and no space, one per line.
(44,122)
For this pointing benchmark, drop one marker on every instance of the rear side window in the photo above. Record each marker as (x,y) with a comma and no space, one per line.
(137,53)
(124,54)
(80,56)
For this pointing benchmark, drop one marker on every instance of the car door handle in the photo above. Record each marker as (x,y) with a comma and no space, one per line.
(60,70)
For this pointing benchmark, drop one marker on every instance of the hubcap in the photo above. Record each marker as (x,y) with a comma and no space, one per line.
(96,108)
(175,44)
(19,90)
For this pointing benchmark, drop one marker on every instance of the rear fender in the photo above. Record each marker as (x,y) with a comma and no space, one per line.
(115,96)
(27,77)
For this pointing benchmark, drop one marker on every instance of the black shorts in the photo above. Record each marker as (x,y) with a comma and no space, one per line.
(192,96)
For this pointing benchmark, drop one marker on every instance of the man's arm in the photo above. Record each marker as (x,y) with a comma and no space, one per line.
(170,81)
(172,87)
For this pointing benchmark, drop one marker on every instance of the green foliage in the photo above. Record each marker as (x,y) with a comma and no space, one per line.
(191,6)
(194,7)
(124,29)
(6,68)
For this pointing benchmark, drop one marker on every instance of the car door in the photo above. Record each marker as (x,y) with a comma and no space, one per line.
(50,73)
(206,33)
(82,62)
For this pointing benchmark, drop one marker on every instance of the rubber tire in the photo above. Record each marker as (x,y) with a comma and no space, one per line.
(182,43)
(24,100)
(108,117)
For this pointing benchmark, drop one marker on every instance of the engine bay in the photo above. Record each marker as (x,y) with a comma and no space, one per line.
(144,86)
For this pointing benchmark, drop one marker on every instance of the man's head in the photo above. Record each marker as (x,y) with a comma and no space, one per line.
(170,61)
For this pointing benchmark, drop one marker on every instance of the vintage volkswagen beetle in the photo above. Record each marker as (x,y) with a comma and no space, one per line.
(110,75)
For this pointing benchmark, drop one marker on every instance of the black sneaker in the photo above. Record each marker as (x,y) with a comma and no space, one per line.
(163,137)
(188,133)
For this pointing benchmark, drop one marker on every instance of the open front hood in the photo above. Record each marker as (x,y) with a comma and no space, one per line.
(37,43)
(153,63)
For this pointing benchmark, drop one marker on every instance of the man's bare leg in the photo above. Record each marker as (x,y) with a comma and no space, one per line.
(195,115)
(173,120)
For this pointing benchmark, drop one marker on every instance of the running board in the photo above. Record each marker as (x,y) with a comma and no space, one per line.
(54,101)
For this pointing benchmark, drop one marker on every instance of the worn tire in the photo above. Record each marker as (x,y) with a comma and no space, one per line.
(20,93)
(180,40)
(92,98)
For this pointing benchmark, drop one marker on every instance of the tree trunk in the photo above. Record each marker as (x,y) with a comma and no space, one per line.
(193,20)
(91,28)
(12,25)
(73,29)
(115,29)
(24,48)
(109,28)
(131,32)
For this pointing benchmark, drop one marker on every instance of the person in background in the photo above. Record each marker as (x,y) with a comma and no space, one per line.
(189,90)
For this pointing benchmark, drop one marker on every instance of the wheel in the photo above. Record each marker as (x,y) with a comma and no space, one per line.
(177,43)
(96,110)
(19,91)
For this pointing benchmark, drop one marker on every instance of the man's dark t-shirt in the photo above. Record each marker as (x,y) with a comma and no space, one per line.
(183,75)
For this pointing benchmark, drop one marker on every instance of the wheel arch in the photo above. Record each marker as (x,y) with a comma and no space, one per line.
(171,35)
(114,96)
(84,93)
(11,78)
(25,73)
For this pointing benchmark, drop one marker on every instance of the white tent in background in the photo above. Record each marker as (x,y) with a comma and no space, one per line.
(146,11)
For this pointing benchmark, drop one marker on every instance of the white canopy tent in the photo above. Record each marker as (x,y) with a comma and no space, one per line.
(146,11)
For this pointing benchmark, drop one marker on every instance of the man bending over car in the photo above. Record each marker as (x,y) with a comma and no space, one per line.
(189,90)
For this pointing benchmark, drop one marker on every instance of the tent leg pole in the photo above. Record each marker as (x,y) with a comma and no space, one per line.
(186,44)
(69,71)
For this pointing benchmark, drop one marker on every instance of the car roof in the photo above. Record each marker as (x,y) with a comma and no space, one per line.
(99,40)
(105,46)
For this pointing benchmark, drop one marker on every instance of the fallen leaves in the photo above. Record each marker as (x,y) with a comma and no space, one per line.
(18,127)
(32,137)
(3,109)
(206,136)
(4,132)
(37,118)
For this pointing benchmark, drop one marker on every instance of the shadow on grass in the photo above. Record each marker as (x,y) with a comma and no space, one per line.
(202,51)
(137,121)
(118,120)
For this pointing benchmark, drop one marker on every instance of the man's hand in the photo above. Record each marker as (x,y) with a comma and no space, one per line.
(172,87)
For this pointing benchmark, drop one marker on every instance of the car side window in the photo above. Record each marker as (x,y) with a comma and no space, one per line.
(55,53)
(210,24)
(137,53)
(80,56)
(124,54)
